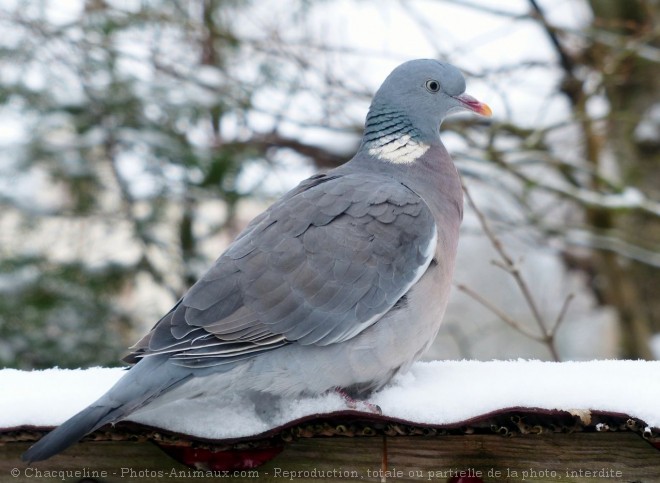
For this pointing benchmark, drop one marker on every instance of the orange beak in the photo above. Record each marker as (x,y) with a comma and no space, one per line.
(474,105)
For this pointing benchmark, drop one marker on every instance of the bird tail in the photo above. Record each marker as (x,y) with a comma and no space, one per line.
(86,421)
(149,378)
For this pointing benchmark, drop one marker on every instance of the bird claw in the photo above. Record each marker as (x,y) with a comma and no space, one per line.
(353,403)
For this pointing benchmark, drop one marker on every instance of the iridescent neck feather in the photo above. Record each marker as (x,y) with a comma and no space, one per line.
(389,135)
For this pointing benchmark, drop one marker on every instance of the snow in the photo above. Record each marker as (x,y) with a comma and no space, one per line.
(23,401)
(437,393)
(477,388)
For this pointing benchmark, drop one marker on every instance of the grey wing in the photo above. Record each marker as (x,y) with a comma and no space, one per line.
(318,267)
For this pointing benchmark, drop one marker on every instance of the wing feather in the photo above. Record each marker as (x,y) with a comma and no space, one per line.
(318,267)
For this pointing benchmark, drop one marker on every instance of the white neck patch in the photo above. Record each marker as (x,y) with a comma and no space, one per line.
(401,149)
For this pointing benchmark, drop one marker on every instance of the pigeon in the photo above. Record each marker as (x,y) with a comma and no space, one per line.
(339,285)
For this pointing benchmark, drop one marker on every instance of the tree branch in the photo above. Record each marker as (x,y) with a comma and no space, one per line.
(510,267)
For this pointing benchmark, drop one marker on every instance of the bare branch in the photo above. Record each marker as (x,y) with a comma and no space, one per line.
(488,9)
(561,315)
(566,60)
(629,199)
(511,267)
(500,313)
(322,157)
(590,239)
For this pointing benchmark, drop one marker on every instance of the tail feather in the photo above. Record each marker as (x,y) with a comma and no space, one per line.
(145,381)
(72,430)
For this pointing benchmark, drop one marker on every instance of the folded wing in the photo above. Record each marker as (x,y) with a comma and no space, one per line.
(320,266)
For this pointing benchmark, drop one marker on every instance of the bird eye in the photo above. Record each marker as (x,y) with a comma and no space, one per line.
(432,85)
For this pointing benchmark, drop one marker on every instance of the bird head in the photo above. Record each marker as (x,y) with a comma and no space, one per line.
(425,91)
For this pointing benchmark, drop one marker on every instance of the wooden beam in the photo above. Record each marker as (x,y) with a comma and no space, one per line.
(582,457)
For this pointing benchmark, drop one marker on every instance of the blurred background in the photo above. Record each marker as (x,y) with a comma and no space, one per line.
(137,138)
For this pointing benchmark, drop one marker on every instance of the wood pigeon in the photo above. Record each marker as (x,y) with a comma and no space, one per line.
(340,284)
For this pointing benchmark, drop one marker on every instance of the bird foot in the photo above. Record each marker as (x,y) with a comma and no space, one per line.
(358,404)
